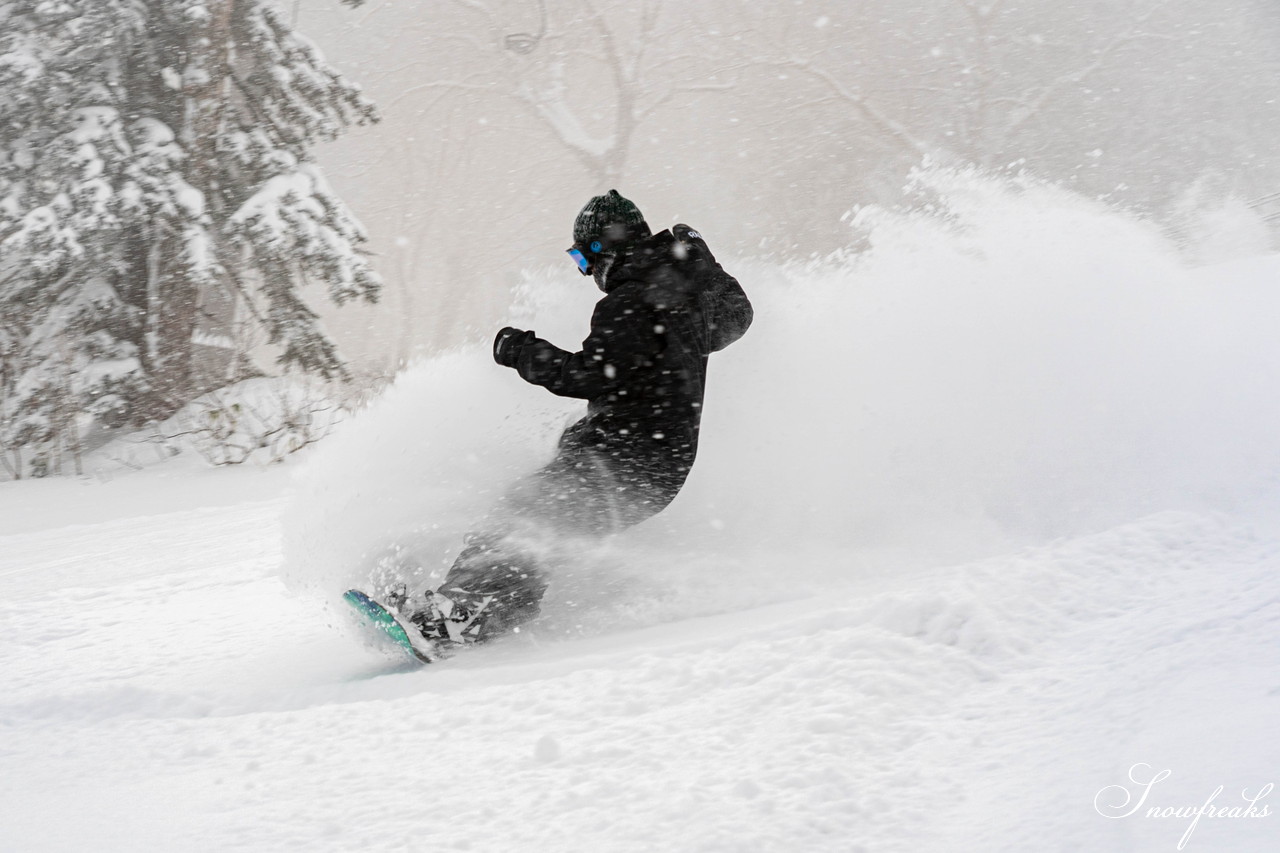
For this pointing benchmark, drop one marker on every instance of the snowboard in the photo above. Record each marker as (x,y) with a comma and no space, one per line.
(376,616)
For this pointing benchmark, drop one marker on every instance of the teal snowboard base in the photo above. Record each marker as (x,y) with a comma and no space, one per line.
(391,626)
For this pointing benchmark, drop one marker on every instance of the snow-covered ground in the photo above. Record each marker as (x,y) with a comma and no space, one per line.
(984,535)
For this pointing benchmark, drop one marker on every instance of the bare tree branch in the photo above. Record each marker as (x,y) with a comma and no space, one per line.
(868,110)
(673,91)
(452,85)
(1101,56)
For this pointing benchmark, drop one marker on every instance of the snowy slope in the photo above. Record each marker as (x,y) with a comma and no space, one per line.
(164,691)
(974,535)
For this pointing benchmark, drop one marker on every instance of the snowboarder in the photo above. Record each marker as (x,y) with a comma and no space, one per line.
(667,306)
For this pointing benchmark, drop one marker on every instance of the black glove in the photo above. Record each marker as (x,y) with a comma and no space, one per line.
(508,344)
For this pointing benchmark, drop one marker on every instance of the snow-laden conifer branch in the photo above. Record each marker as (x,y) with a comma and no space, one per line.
(156,155)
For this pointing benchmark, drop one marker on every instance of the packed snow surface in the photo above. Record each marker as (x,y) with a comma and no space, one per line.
(982,539)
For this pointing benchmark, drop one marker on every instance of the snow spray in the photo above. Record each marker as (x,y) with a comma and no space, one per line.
(1000,362)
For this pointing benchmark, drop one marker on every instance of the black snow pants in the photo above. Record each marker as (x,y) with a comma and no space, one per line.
(589,490)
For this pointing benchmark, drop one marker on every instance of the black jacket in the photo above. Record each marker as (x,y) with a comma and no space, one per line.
(667,306)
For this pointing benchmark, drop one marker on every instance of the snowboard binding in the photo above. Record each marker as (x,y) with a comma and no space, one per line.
(428,629)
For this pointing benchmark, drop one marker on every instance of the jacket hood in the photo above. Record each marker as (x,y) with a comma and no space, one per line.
(639,260)
(677,261)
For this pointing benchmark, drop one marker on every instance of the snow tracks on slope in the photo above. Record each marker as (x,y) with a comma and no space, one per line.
(973,708)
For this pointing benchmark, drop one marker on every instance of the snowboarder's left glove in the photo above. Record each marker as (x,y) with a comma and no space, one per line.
(508,344)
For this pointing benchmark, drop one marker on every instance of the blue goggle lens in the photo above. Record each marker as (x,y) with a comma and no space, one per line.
(584,265)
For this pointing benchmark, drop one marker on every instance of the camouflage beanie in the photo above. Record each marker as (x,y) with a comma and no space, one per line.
(598,215)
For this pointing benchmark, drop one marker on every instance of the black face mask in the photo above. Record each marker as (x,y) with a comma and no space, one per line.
(601,266)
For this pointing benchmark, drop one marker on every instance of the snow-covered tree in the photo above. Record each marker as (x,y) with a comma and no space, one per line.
(629,59)
(155,166)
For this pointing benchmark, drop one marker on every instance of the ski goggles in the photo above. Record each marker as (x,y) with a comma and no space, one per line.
(584,259)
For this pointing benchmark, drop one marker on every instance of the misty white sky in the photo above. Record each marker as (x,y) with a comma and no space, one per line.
(761,124)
